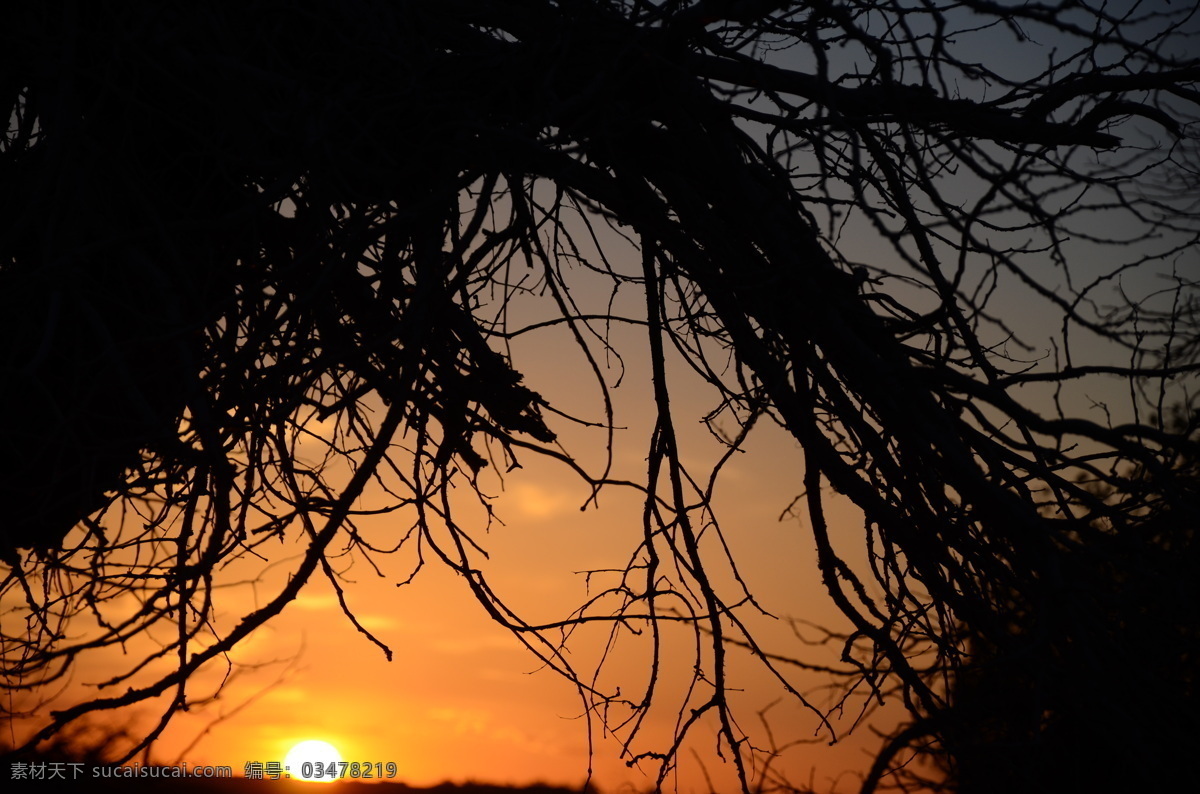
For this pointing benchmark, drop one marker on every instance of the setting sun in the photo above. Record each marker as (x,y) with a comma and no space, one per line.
(313,760)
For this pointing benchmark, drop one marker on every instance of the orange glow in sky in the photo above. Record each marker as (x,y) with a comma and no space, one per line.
(462,699)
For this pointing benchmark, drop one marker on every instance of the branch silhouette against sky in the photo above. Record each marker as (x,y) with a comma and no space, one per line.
(266,271)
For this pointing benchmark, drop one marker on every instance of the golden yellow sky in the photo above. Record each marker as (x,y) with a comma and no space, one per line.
(462,700)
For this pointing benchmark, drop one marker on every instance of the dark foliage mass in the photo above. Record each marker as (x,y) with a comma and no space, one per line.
(222,224)
(1110,701)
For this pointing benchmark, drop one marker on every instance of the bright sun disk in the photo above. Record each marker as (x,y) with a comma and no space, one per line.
(313,752)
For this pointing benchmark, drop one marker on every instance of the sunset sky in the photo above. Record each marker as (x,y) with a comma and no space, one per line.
(462,699)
